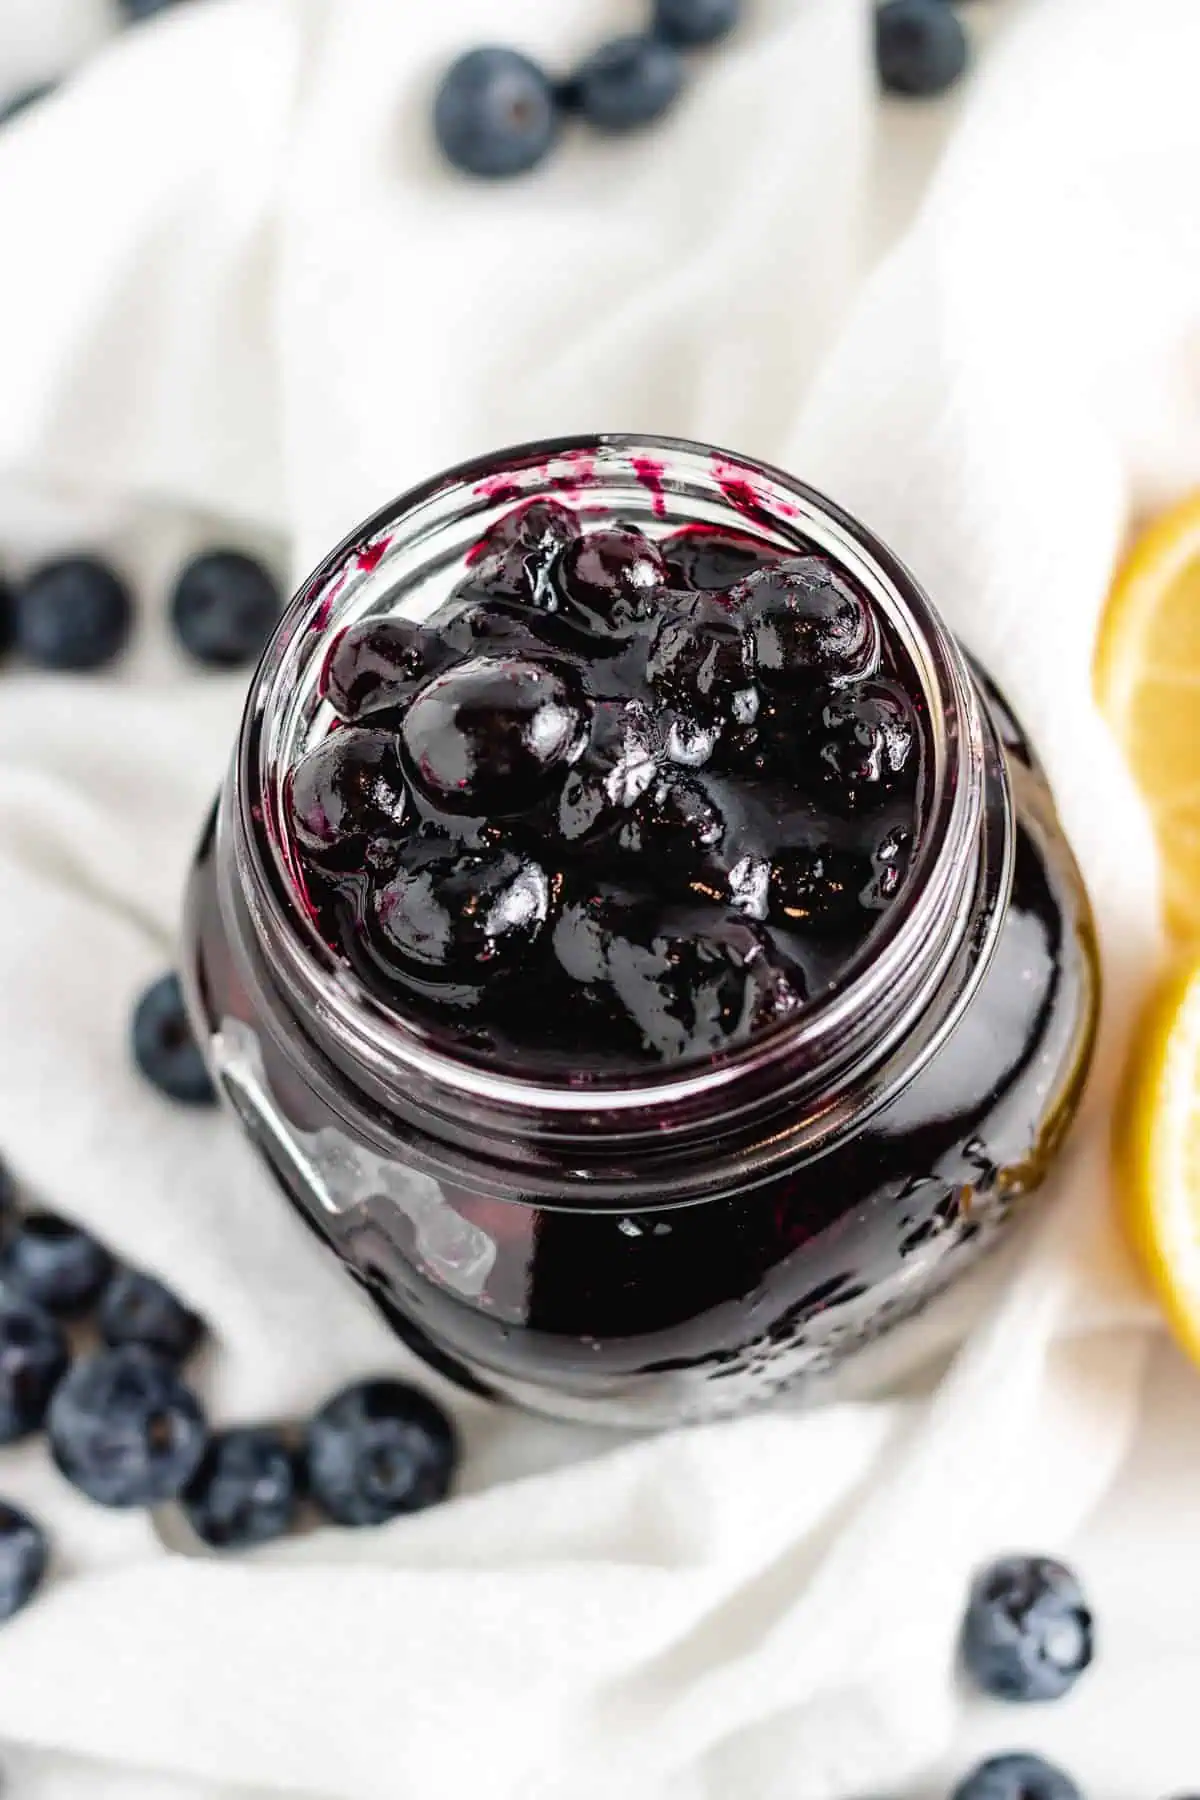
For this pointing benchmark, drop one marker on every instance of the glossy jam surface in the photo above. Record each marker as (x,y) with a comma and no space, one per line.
(621,800)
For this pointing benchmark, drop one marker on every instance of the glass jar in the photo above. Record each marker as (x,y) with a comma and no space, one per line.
(639,1250)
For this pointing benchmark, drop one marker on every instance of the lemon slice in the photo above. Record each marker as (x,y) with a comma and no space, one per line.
(1158,1153)
(1147,676)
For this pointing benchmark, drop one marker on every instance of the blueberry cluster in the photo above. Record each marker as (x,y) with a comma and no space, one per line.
(498,113)
(652,794)
(125,1429)
(77,612)
(921,46)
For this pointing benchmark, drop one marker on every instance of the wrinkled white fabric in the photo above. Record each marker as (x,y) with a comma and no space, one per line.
(242,298)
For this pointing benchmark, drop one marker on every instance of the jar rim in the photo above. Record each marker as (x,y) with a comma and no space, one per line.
(815,1036)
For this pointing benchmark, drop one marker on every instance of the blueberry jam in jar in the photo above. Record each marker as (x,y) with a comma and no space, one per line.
(638,941)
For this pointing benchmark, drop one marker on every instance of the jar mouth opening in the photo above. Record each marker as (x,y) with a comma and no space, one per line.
(422,535)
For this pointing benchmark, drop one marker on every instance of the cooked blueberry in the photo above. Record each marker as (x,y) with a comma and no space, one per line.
(700,655)
(21,102)
(920,47)
(1018,1776)
(866,745)
(246,1490)
(376,665)
(677,827)
(224,608)
(75,613)
(711,559)
(496,113)
(33,1360)
(24,1554)
(377,1450)
(164,1048)
(514,559)
(816,889)
(125,1430)
(347,792)
(613,577)
(690,22)
(1028,1630)
(137,1309)
(620,762)
(807,624)
(700,984)
(889,865)
(459,913)
(55,1264)
(488,736)
(628,83)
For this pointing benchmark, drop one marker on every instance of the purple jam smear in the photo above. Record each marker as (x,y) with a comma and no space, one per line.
(624,799)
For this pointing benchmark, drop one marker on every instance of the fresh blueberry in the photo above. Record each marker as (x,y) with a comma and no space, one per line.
(920,47)
(1019,1776)
(690,22)
(807,623)
(461,913)
(164,1048)
(612,578)
(496,113)
(246,1490)
(125,1430)
(225,607)
(711,558)
(622,758)
(55,1264)
(24,1554)
(347,793)
(137,1309)
(487,737)
(379,1449)
(21,102)
(1028,1631)
(628,83)
(33,1360)
(8,617)
(865,746)
(376,665)
(75,613)
(145,9)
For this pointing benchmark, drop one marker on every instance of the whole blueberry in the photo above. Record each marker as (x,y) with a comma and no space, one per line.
(513,560)
(712,558)
(808,624)
(33,1360)
(21,102)
(8,618)
(690,22)
(1017,1776)
(24,1554)
(225,607)
(622,758)
(920,47)
(246,1490)
(72,614)
(865,746)
(496,113)
(628,83)
(1028,1632)
(137,1309)
(54,1263)
(125,1430)
(347,791)
(460,912)
(612,577)
(377,664)
(164,1048)
(379,1449)
(489,736)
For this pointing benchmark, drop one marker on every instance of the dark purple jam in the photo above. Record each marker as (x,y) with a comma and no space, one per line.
(634,798)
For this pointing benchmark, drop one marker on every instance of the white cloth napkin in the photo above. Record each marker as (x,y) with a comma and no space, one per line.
(239,296)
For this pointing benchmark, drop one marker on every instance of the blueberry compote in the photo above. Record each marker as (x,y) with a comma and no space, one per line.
(637,940)
(620,800)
